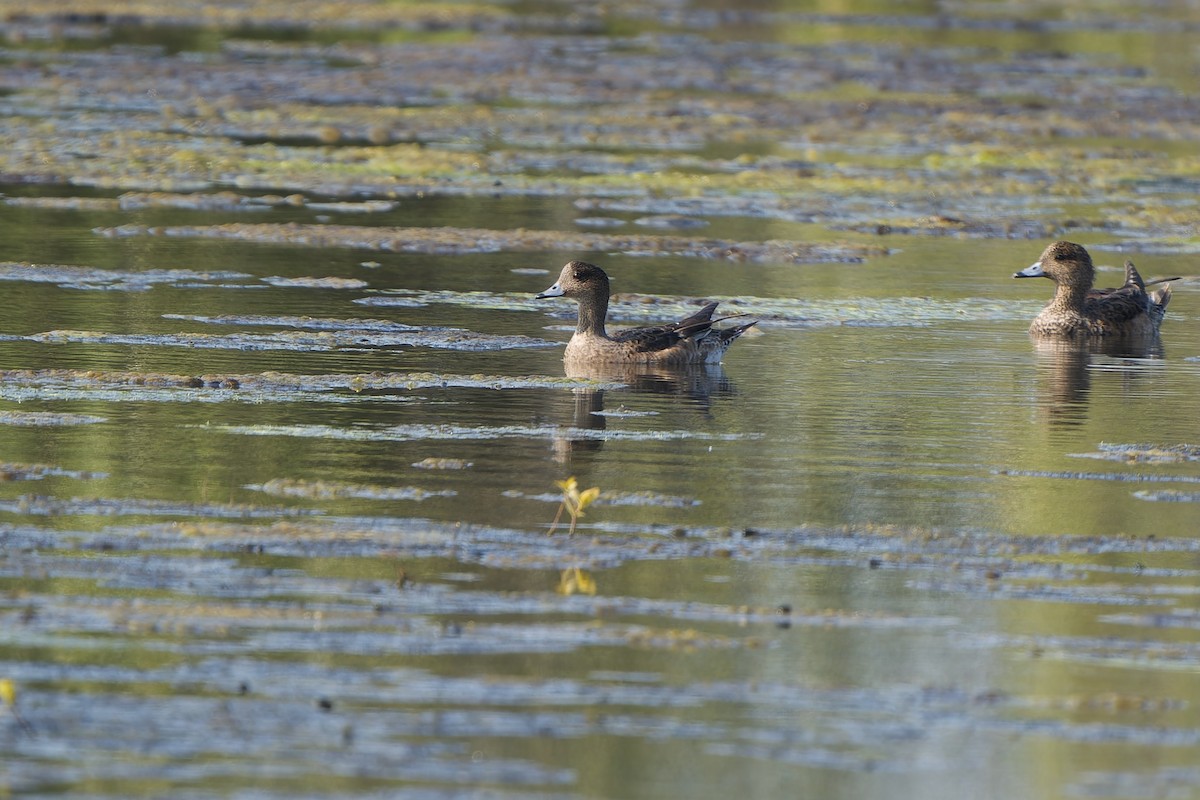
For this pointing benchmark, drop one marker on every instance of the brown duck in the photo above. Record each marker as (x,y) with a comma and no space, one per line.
(1079,310)
(693,340)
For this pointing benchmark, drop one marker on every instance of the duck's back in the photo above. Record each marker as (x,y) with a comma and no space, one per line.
(1129,310)
(656,338)
(688,341)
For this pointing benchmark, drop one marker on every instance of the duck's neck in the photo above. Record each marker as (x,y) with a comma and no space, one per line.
(1069,297)
(592,311)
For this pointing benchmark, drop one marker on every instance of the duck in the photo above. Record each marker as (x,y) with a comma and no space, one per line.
(1078,310)
(692,340)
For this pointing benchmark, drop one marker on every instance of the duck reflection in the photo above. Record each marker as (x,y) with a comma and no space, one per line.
(697,384)
(1065,368)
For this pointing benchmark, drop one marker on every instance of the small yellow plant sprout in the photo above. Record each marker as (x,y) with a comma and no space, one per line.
(8,699)
(573,502)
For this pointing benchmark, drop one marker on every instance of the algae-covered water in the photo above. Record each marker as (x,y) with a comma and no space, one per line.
(282,424)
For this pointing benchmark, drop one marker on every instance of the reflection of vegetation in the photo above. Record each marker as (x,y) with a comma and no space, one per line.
(573,502)
(576,581)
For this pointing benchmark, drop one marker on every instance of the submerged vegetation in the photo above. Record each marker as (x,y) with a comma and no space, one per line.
(898,128)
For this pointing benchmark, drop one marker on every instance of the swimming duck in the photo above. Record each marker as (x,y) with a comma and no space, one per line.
(690,341)
(1079,310)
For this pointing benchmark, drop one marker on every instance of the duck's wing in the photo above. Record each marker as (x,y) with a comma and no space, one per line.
(1130,300)
(1133,284)
(1118,306)
(664,337)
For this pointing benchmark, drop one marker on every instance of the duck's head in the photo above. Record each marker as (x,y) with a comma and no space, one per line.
(578,279)
(1063,263)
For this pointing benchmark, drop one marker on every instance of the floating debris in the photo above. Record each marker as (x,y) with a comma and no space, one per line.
(599,222)
(1144,453)
(64,203)
(617,498)
(198,201)
(36,472)
(442,463)
(1130,477)
(281,383)
(477,240)
(670,221)
(334,490)
(346,338)
(35,505)
(47,419)
(1168,496)
(94,278)
(418,432)
(317,283)
(770,311)
(346,207)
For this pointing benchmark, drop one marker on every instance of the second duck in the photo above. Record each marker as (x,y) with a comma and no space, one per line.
(1078,310)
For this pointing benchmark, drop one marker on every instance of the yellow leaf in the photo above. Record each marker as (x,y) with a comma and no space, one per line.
(8,692)
(587,497)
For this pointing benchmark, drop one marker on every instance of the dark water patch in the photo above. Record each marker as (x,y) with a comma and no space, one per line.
(331,490)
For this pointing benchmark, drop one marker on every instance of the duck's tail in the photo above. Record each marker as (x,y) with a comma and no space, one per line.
(1158,299)
(1158,302)
(725,336)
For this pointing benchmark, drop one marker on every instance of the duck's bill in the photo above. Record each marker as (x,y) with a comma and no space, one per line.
(553,291)
(1034,270)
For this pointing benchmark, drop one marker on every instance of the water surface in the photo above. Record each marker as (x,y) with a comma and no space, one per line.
(283,421)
